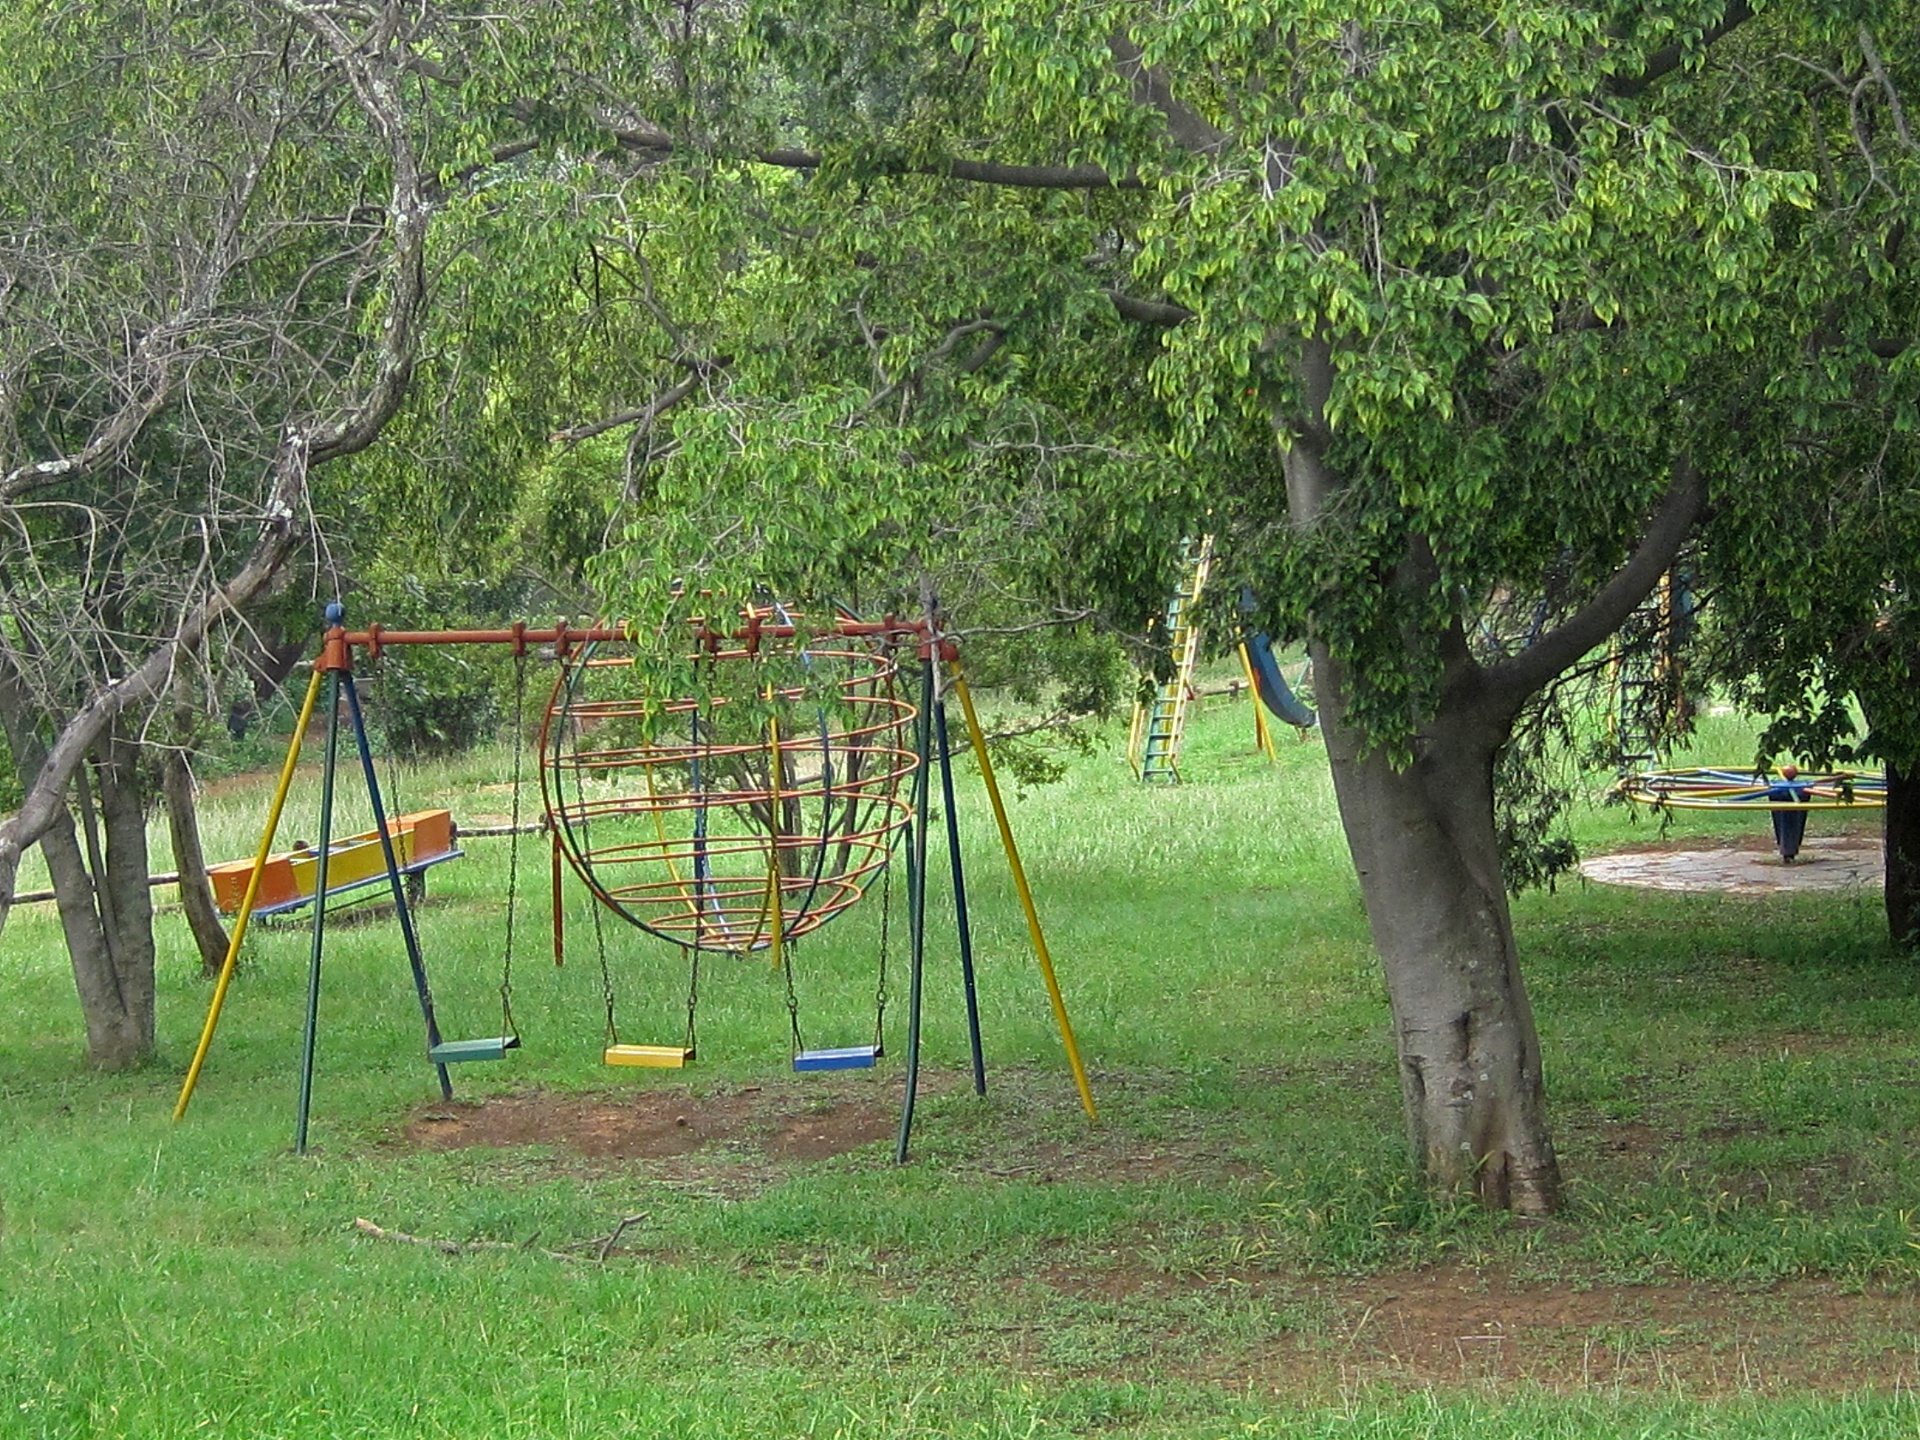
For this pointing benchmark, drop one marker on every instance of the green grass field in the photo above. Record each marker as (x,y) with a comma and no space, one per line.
(1235,1249)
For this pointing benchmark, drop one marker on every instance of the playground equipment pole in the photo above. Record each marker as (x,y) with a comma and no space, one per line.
(959,894)
(232,959)
(979,738)
(916,905)
(309,1034)
(400,906)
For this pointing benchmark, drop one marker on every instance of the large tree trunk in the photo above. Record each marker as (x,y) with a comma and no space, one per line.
(119,1027)
(1902,836)
(119,1034)
(1424,844)
(124,883)
(183,829)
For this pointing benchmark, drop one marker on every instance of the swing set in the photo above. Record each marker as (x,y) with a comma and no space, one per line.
(715,820)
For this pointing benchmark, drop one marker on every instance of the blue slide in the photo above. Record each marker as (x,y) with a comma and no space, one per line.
(1272,686)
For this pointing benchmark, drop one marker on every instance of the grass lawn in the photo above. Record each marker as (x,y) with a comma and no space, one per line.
(1235,1249)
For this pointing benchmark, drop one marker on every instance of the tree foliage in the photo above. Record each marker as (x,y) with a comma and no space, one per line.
(1416,307)
(1506,282)
(214,247)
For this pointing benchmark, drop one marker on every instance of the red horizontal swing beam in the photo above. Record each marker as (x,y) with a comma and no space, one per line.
(339,643)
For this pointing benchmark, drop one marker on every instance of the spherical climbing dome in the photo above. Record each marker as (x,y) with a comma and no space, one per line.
(767,800)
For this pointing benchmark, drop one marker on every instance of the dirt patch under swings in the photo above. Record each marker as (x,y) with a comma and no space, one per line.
(663,1124)
(821,1135)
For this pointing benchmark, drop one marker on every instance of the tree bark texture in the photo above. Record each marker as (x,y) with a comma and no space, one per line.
(1902,837)
(1424,845)
(190,860)
(119,1032)
(118,1036)
(1427,854)
(127,906)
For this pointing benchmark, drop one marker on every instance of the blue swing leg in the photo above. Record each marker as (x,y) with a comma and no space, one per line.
(309,1035)
(422,990)
(916,907)
(964,929)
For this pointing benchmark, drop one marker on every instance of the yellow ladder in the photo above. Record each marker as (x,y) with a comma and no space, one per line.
(1159,727)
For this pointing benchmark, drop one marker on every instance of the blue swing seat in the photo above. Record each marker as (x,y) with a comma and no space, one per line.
(851,1057)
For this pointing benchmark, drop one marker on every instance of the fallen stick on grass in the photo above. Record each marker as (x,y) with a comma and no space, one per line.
(601,1245)
(608,1242)
(451,1247)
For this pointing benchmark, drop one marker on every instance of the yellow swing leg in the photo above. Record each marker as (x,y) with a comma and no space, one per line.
(979,739)
(246,901)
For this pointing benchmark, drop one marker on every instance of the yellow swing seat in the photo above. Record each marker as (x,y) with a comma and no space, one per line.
(659,1057)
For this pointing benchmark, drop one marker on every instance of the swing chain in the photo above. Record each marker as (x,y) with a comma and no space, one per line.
(513,847)
(606,975)
(693,993)
(880,992)
(389,747)
(697,738)
(880,996)
(793,999)
(599,931)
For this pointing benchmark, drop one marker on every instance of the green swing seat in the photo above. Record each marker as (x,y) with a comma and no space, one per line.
(456,1052)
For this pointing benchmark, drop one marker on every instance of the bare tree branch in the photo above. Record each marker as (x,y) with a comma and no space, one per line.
(1669,58)
(1515,679)
(995,333)
(1148,312)
(658,144)
(644,416)
(347,426)
(1871,53)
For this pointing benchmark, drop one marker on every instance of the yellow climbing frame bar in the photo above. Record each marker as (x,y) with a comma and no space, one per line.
(253,890)
(979,739)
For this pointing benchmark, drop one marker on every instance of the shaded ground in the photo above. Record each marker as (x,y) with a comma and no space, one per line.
(1228,1320)
(1455,1324)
